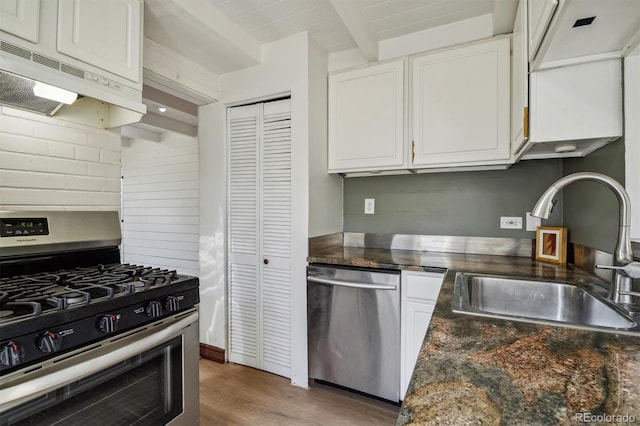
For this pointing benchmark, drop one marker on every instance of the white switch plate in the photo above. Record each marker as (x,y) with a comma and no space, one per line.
(369,205)
(510,222)
(533,222)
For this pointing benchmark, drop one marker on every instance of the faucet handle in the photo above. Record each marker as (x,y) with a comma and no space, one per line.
(631,270)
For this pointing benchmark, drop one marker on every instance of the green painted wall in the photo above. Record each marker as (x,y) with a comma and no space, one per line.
(454,203)
(471,203)
(590,209)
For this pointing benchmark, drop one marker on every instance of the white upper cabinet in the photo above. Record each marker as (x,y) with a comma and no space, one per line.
(21,18)
(575,109)
(581,30)
(366,118)
(520,80)
(539,17)
(460,106)
(106,34)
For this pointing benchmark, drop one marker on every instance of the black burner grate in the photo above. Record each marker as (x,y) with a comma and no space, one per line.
(31,295)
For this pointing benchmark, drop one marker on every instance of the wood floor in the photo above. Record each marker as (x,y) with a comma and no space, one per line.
(232,394)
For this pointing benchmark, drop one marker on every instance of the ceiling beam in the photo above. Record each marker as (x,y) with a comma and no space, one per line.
(168,100)
(205,13)
(358,26)
(170,124)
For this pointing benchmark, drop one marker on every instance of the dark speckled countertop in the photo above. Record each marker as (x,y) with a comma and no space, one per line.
(474,370)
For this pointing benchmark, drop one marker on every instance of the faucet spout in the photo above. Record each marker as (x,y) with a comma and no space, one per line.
(623,253)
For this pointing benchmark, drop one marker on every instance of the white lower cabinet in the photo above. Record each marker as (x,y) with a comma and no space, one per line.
(418,293)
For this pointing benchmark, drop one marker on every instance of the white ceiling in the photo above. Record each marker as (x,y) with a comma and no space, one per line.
(269,20)
(225,35)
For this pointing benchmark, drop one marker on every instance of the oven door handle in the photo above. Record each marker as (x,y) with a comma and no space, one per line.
(24,391)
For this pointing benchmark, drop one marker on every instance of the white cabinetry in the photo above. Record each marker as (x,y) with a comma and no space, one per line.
(366,118)
(581,30)
(575,109)
(106,34)
(260,235)
(419,293)
(539,14)
(520,80)
(460,106)
(21,18)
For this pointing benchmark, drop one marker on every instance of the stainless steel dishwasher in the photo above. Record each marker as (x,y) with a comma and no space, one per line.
(354,328)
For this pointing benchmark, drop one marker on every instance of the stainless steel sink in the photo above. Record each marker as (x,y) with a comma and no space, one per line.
(539,301)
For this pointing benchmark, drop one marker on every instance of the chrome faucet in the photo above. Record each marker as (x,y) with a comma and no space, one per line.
(623,254)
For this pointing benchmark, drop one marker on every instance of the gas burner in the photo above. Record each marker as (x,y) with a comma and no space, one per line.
(133,286)
(159,277)
(66,300)
(22,309)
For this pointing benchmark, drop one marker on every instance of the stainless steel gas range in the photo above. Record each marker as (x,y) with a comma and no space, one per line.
(85,339)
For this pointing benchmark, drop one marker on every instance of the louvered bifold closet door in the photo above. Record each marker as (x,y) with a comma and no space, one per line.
(276,237)
(243,135)
(259,138)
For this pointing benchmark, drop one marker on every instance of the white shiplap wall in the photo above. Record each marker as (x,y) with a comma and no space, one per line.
(49,164)
(160,193)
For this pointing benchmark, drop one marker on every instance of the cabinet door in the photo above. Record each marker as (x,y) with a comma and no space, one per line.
(461,105)
(540,13)
(366,118)
(520,80)
(418,317)
(105,34)
(577,102)
(21,18)
(419,293)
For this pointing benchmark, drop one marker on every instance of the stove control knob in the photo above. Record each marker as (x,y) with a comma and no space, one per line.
(172,303)
(50,342)
(12,354)
(154,309)
(109,323)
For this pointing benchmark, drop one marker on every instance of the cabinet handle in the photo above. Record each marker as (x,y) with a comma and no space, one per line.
(265,261)
(525,125)
(413,151)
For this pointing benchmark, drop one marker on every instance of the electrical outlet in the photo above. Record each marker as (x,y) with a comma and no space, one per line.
(533,222)
(510,222)
(369,205)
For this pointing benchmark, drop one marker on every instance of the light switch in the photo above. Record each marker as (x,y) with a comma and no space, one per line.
(369,205)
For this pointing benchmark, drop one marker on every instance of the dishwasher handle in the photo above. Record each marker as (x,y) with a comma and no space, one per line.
(352,284)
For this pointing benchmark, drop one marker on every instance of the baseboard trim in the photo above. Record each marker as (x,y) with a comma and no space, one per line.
(212,353)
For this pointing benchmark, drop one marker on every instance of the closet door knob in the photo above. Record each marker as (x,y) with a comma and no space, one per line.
(266,261)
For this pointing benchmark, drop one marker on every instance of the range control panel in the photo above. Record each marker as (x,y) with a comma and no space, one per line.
(23,227)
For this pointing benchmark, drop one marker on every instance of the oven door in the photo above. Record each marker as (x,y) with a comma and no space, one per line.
(145,377)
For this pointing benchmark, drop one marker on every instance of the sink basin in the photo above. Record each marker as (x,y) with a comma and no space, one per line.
(539,301)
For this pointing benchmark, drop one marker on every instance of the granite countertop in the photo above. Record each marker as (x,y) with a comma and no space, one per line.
(474,370)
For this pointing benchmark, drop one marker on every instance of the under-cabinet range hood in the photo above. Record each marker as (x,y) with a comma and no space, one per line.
(102,101)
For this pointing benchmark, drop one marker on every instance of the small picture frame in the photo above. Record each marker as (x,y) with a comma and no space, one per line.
(551,244)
